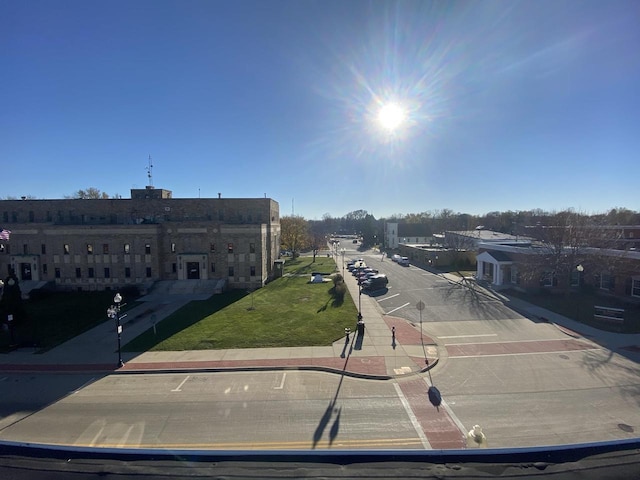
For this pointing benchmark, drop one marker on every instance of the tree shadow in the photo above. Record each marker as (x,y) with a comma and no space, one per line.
(597,361)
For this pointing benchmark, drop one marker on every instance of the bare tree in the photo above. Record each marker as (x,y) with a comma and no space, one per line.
(91,192)
(561,247)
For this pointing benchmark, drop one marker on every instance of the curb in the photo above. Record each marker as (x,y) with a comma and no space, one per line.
(73,369)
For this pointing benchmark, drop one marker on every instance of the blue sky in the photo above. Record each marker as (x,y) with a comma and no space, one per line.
(510,105)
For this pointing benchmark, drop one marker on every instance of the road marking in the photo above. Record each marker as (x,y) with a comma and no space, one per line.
(412,417)
(509,341)
(523,353)
(181,384)
(281,386)
(395,309)
(453,416)
(470,336)
(387,298)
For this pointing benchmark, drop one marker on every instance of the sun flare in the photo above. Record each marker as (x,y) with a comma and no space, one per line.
(391,116)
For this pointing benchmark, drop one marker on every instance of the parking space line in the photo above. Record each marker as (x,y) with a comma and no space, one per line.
(398,308)
(387,298)
(178,389)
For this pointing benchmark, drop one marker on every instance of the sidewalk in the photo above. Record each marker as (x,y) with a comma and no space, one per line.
(378,354)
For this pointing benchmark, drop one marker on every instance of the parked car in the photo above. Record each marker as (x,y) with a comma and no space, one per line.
(404,261)
(395,257)
(375,282)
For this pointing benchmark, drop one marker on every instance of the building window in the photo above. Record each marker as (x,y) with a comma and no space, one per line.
(107,272)
(127,248)
(66,249)
(89,249)
(252,271)
(213,267)
(1,247)
(25,249)
(635,287)
(91,272)
(78,272)
(252,248)
(547,279)
(607,281)
(147,249)
(148,272)
(44,268)
(212,247)
(105,248)
(173,248)
(57,272)
(174,268)
(32,217)
(5,217)
(574,278)
(127,272)
(43,249)
(230,248)
(231,271)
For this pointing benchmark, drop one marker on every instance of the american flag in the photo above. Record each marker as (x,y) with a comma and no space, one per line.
(4,234)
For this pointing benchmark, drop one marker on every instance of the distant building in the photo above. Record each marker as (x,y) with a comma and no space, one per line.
(405,233)
(98,244)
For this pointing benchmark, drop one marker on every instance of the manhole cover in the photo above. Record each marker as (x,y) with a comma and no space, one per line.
(625,428)
(564,357)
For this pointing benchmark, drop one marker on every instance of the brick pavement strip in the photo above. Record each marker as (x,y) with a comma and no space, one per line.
(439,428)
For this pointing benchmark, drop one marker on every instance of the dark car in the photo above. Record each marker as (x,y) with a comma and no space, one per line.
(376,282)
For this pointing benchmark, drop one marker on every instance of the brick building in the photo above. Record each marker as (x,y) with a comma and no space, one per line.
(97,244)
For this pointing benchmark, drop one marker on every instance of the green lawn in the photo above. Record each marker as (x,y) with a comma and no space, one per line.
(287,312)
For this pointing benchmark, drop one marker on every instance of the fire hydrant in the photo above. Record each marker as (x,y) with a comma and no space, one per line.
(475,438)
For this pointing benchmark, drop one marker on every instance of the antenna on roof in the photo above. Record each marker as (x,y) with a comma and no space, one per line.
(150,172)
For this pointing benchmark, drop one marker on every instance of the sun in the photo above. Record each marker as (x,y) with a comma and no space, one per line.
(391,116)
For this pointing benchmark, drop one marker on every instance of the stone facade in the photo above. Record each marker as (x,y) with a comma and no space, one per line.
(97,244)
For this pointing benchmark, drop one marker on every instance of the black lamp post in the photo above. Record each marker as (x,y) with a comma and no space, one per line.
(579,270)
(114,312)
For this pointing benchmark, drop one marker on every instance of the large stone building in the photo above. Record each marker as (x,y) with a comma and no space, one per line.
(97,244)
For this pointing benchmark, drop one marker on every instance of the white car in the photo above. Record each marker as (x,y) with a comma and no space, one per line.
(395,257)
(404,261)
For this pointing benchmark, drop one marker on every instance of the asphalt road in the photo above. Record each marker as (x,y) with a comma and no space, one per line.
(258,410)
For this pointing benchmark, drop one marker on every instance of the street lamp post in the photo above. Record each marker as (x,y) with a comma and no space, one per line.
(342,251)
(114,312)
(579,269)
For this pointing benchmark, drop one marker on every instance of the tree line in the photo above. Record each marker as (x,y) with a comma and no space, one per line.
(298,234)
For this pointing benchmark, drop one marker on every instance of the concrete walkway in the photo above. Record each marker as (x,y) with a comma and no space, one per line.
(389,348)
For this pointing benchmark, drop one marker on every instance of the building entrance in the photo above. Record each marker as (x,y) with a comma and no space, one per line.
(25,271)
(193,270)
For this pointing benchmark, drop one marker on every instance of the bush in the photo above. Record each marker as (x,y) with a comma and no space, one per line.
(339,290)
